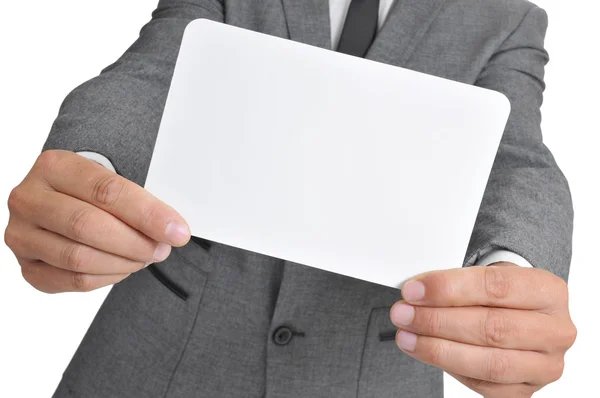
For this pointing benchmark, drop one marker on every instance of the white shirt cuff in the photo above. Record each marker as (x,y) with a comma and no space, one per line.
(96,157)
(496,256)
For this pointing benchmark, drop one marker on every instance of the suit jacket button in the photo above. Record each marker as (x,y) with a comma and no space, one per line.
(282,335)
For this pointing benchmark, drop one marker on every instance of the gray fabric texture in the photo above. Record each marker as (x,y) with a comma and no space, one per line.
(147,342)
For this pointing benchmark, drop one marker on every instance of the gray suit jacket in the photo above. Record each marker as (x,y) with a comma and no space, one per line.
(214,321)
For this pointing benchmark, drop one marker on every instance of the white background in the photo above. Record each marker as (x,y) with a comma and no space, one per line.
(49,47)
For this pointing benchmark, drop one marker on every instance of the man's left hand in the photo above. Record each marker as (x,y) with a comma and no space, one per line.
(501,330)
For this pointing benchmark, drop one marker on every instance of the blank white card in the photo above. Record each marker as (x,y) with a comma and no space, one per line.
(323,159)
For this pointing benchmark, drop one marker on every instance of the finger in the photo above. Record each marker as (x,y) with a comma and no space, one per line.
(84,223)
(495,390)
(482,326)
(482,363)
(58,251)
(120,197)
(49,279)
(491,286)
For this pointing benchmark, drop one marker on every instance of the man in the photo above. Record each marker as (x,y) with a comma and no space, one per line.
(210,320)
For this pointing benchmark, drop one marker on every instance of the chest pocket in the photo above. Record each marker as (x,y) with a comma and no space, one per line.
(388,372)
(194,254)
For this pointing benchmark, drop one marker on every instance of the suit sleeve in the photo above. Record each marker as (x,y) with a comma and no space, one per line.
(117,114)
(527,206)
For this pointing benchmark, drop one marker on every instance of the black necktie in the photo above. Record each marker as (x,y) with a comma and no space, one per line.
(360,27)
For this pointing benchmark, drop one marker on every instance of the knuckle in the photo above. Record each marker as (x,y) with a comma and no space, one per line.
(498,366)
(28,272)
(512,391)
(77,222)
(572,335)
(148,216)
(482,387)
(437,353)
(72,257)
(562,290)
(16,200)
(555,370)
(107,190)
(47,159)
(46,163)
(524,391)
(434,322)
(569,335)
(34,277)
(495,328)
(496,283)
(11,238)
(81,282)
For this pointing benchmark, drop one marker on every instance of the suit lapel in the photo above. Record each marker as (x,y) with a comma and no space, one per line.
(405,26)
(308,21)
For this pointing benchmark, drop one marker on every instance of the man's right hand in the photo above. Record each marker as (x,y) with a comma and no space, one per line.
(76,226)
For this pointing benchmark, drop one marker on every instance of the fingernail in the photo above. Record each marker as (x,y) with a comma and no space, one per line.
(161,253)
(177,233)
(406,340)
(402,314)
(413,291)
